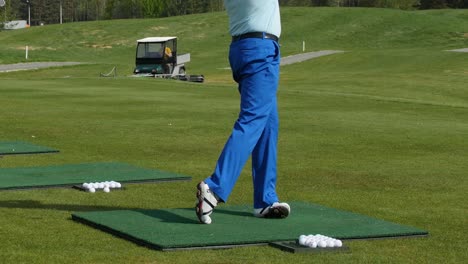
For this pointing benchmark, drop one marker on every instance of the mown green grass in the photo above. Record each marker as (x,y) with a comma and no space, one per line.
(380,130)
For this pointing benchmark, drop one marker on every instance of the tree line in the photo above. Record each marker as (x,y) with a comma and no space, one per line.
(65,11)
(56,11)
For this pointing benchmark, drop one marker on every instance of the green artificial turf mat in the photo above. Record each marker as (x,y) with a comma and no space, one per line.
(168,229)
(19,147)
(72,174)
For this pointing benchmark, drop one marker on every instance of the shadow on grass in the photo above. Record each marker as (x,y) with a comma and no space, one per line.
(161,214)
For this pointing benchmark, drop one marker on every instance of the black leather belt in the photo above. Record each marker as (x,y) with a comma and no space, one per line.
(255,35)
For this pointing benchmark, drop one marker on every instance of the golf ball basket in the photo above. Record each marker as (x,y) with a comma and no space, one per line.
(157,57)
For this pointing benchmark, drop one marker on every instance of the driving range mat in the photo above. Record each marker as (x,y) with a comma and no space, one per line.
(173,229)
(19,147)
(72,174)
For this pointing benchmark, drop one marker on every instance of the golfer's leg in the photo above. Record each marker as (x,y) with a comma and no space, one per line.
(257,102)
(264,157)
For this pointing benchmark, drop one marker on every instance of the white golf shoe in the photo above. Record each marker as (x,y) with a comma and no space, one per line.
(276,210)
(206,203)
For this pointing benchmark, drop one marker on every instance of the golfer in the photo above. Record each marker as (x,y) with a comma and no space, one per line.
(254,56)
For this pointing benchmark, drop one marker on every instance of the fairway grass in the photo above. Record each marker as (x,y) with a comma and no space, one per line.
(379,130)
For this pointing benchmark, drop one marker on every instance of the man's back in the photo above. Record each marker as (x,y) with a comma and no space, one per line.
(253,16)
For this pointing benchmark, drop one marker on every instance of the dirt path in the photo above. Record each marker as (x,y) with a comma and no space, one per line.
(306,56)
(460,50)
(33,65)
(302,57)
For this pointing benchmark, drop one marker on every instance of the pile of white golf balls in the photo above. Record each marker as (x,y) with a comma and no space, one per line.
(320,241)
(105,186)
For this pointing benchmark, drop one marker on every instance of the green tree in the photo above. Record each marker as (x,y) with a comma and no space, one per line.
(7,13)
(125,9)
(433,4)
(153,8)
(457,3)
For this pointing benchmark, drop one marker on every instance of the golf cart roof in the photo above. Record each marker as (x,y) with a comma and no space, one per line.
(155,39)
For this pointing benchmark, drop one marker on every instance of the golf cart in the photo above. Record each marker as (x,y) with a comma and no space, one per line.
(157,57)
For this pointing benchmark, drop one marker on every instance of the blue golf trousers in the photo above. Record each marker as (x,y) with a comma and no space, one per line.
(255,65)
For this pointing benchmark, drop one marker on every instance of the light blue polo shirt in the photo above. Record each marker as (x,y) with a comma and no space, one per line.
(253,16)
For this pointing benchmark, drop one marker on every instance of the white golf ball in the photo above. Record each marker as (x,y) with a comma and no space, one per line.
(85,185)
(118,185)
(106,189)
(312,244)
(101,185)
(322,244)
(302,240)
(91,190)
(338,243)
(206,219)
(112,185)
(330,243)
(95,185)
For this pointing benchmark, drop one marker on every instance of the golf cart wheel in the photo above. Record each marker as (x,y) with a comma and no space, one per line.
(182,71)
